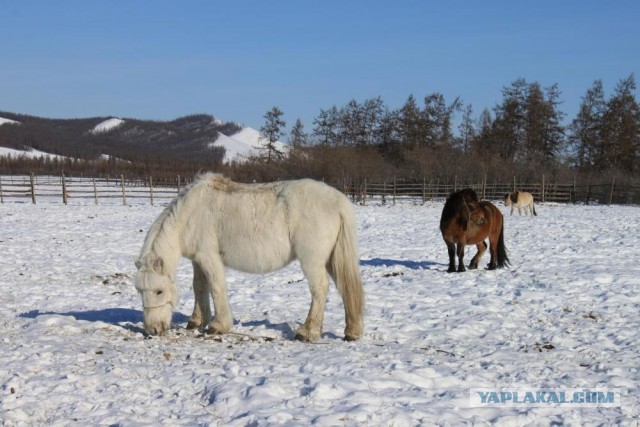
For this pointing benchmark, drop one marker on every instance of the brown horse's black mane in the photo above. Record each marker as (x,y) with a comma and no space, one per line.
(455,202)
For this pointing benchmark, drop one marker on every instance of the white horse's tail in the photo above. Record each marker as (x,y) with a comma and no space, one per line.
(345,269)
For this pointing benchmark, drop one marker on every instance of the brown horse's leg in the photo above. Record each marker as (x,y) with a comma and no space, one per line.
(461,258)
(451,249)
(482,247)
(493,250)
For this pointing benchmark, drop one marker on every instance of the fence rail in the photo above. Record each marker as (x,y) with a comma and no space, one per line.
(542,191)
(119,190)
(65,189)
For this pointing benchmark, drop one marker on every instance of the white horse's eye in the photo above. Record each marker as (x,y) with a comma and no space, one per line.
(159,292)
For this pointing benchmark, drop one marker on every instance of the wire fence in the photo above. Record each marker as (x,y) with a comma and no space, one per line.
(69,190)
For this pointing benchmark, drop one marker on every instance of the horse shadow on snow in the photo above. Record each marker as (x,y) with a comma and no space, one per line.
(384,262)
(123,317)
(130,319)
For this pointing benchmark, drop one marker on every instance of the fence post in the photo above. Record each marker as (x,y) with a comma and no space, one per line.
(95,192)
(611,192)
(424,191)
(33,188)
(543,188)
(1,197)
(364,196)
(178,183)
(484,187)
(124,196)
(394,191)
(514,184)
(151,189)
(64,190)
(586,197)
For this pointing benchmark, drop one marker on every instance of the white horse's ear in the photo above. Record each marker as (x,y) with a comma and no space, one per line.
(158,265)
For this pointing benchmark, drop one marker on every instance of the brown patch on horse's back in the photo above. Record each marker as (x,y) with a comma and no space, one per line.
(497,217)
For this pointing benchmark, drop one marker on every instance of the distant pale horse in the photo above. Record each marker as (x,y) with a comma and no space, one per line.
(520,200)
(255,228)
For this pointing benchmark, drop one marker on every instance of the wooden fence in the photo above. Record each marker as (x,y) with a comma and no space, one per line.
(120,190)
(65,189)
(389,192)
(543,191)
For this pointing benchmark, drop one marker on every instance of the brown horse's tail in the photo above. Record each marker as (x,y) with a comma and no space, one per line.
(503,259)
(533,209)
(344,268)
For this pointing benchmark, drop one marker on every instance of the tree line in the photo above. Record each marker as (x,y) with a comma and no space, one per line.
(525,135)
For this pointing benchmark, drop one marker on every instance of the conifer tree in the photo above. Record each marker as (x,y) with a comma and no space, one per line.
(272,131)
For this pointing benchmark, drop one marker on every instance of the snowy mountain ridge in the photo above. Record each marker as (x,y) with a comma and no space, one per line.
(188,137)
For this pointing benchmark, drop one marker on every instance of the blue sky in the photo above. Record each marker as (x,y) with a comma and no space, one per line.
(237,59)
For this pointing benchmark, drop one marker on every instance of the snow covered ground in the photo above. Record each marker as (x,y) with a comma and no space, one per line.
(31,154)
(8,121)
(566,315)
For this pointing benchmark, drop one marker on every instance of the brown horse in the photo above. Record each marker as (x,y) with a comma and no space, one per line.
(467,221)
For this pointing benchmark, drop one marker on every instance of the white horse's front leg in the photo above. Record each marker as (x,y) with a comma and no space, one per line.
(201,309)
(222,321)
(319,286)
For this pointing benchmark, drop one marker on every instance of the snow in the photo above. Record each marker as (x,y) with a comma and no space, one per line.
(107,125)
(8,121)
(4,151)
(235,149)
(242,144)
(565,315)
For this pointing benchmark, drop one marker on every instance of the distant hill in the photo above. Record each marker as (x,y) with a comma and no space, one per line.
(201,138)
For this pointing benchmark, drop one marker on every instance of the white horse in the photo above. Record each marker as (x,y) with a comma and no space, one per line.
(520,200)
(254,228)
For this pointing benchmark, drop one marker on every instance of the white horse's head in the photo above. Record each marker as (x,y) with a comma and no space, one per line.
(158,292)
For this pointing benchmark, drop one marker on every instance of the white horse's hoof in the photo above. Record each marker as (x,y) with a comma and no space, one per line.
(192,324)
(306,336)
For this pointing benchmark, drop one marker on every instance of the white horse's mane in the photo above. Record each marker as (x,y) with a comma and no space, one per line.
(168,218)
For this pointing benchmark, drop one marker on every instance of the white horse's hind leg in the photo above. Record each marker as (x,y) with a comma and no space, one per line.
(319,286)
(201,309)
(213,271)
